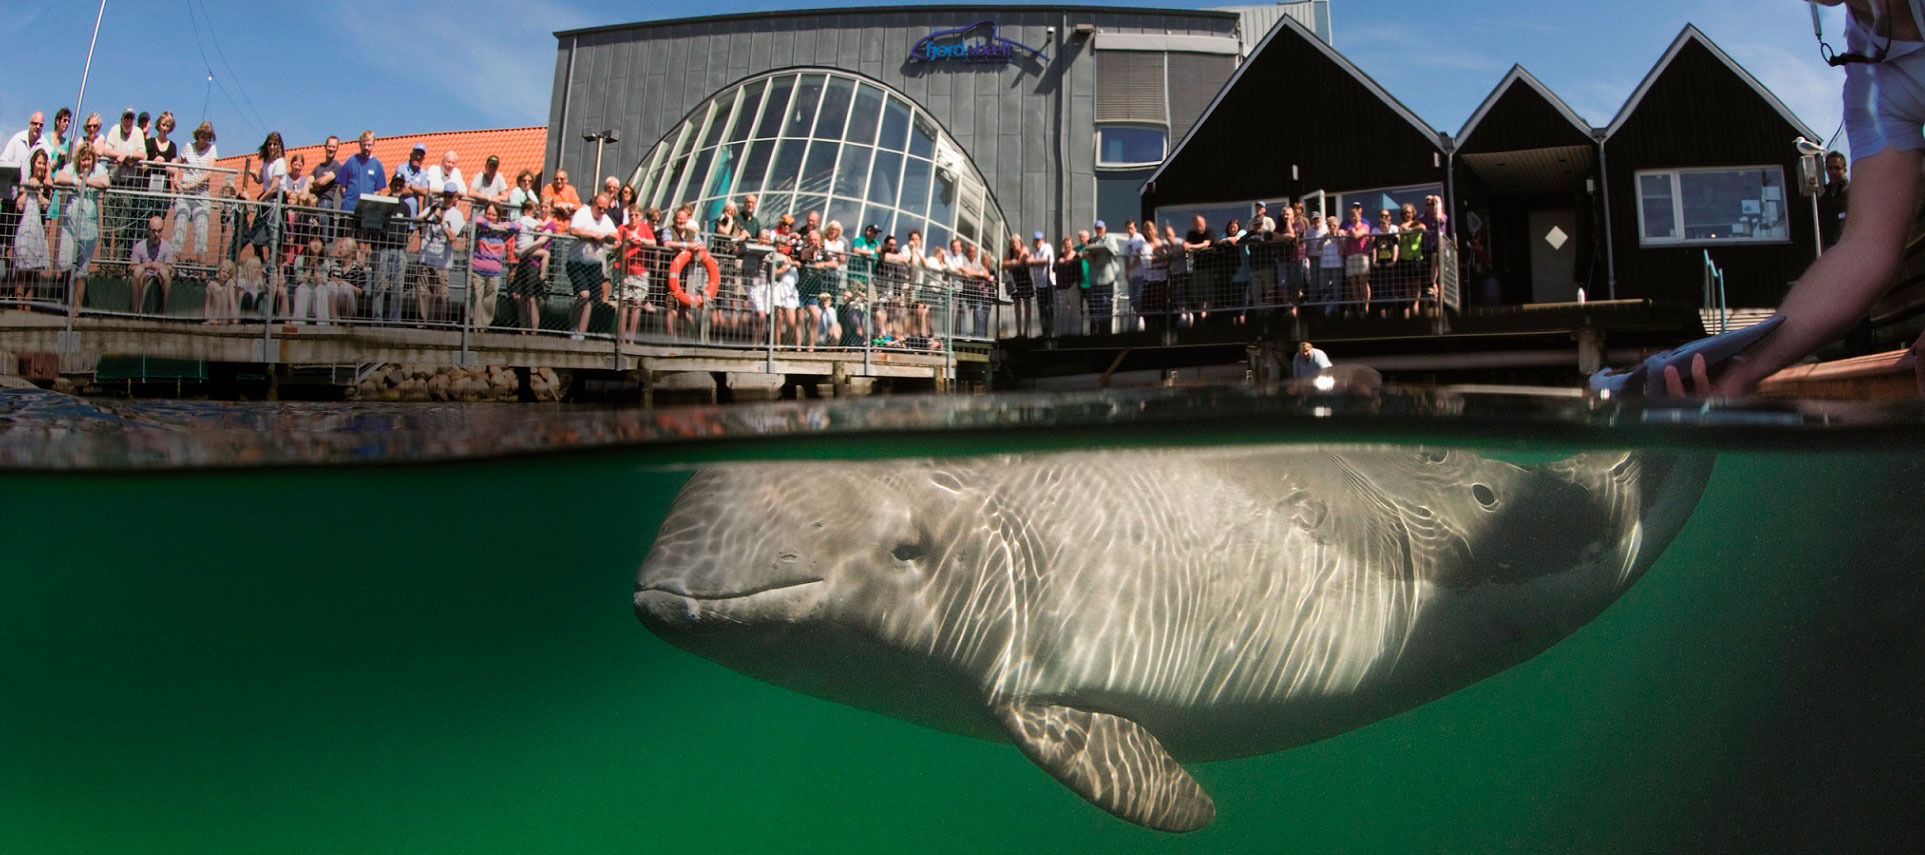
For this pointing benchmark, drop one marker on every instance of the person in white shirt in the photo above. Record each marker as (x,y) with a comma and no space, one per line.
(490,185)
(25,142)
(444,173)
(1042,276)
(192,211)
(593,232)
(1136,260)
(441,228)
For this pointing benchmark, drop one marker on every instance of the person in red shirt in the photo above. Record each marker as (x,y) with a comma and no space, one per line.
(638,244)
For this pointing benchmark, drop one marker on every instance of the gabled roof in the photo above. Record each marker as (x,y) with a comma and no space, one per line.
(1690,34)
(1290,25)
(1516,76)
(518,148)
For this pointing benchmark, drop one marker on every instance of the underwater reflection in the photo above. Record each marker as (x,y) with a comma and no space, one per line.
(1114,613)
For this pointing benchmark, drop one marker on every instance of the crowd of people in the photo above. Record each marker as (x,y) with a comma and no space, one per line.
(288,240)
(1354,266)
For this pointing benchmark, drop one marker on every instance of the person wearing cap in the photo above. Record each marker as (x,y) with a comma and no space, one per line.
(490,185)
(126,146)
(1260,221)
(414,179)
(440,228)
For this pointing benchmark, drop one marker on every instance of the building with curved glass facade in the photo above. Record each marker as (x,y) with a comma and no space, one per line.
(971,121)
(822,140)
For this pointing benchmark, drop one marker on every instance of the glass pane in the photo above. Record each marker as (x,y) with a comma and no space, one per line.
(1654,198)
(915,187)
(771,207)
(835,108)
(883,178)
(696,174)
(942,202)
(722,181)
(787,169)
(1747,204)
(970,216)
(853,172)
(757,166)
(802,113)
(719,115)
(772,111)
(848,212)
(1128,146)
(806,203)
(819,169)
(882,218)
(862,122)
(922,143)
(751,107)
(895,125)
(937,236)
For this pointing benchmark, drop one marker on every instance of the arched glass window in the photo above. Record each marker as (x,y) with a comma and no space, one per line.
(829,141)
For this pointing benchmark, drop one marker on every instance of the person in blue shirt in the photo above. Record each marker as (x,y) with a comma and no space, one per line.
(361,173)
(1309,361)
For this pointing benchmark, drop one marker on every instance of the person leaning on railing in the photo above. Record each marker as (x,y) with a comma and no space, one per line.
(80,219)
(489,261)
(193,210)
(32,198)
(533,248)
(638,244)
(1413,265)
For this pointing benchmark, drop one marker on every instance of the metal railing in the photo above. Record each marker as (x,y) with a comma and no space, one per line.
(1374,276)
(1714,298)
(219,259)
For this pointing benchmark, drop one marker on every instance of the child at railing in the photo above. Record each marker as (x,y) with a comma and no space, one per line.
(218,303)
(492,232)
(251,288)
(350,277)
(313,271)
(532,247)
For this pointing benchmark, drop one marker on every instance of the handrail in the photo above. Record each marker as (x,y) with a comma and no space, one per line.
(1714,297)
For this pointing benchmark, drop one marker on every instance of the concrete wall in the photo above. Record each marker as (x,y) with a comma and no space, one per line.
(1028,126)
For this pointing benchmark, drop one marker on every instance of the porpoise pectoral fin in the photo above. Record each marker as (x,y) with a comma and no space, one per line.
(1113,762)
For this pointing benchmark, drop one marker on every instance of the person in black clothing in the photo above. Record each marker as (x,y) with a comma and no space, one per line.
(1832,200)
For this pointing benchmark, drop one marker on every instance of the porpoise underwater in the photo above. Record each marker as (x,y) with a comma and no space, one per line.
(1115,612)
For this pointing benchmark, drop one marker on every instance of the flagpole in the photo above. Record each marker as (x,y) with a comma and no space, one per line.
(79,116)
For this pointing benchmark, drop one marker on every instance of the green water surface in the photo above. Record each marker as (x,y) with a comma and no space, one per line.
(445,659)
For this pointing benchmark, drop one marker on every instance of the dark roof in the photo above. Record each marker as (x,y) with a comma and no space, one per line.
(1689,35)
(1518,88)
(1298,128)
(871,10)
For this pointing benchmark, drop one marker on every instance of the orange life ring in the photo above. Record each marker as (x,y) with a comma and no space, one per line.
(675,277)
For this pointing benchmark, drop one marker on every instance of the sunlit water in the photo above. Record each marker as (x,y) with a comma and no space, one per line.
(445,658)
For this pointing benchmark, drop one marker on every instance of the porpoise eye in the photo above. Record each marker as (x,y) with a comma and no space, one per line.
(907,551)
(1484,495)
(1433,457)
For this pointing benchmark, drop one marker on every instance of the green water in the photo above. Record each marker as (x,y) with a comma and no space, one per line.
(445,659)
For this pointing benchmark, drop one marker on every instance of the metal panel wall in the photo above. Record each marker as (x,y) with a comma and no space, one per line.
(1029,126)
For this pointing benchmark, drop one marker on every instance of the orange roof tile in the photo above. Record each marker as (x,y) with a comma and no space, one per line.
(518,148)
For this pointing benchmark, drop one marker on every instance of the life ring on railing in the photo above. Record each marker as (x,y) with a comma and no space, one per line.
(675,277)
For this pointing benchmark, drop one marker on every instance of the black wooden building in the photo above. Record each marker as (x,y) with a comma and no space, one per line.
(1701,127)
(1295,118)
(1700,161)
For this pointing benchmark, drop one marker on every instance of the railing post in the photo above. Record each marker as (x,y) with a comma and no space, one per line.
(468,296)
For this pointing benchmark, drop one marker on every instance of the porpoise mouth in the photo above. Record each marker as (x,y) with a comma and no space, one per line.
(667,588)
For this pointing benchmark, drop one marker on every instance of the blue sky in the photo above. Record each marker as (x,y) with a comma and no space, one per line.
(433,65)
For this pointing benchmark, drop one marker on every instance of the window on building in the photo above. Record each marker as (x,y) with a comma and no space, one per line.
(1130,146)
(1386,198)
(1683,206)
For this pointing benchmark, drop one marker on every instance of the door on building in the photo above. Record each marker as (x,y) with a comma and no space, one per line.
(1553,244)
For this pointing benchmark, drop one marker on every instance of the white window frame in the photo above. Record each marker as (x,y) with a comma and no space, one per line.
(1677,206)
(1096,141)
(1342,199)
